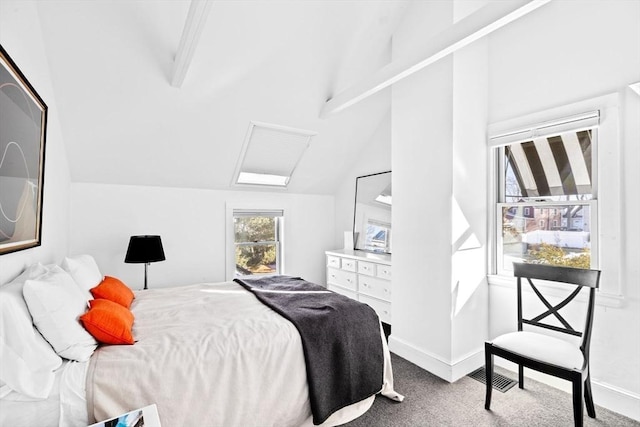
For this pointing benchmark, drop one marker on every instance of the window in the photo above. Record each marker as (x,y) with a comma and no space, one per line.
(257,240)
(546,195)
(378,236)
(270,154)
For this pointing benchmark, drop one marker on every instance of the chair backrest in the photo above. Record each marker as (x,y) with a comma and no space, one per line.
(578,277)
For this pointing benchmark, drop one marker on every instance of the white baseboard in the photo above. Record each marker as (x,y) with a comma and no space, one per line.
(447,370)
(616,399)
(606,395)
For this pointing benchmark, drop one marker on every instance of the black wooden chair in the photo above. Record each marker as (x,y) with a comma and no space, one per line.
(543,352)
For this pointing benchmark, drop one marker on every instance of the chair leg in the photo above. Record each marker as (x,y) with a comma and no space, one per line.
(520,376)
(488,369)
(577,402)
(588,397)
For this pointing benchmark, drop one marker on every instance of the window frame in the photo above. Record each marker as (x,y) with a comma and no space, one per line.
(559,125)
(611,133)
(232,213)
(275,173)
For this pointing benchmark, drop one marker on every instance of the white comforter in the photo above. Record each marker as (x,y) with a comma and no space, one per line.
(210,355)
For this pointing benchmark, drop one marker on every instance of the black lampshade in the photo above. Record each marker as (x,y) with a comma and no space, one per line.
(144,249)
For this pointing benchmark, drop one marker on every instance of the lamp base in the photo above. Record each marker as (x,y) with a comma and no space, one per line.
(146,264)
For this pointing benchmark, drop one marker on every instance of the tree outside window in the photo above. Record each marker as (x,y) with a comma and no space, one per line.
(257,242)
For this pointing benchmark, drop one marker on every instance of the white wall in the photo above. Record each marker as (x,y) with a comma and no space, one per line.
(374,158)
(470,294)
(587,49)
(422,153)
(21,37)
(192,225)
(438,131)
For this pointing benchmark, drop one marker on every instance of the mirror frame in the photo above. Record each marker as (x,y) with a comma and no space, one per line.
(355,215)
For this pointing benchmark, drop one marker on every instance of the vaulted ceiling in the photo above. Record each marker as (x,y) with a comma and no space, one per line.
(268,61)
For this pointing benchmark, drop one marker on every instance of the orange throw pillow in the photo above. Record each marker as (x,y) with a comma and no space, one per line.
(114,290)
(108,322)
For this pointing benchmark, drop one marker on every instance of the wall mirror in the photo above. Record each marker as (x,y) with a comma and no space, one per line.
(372,213)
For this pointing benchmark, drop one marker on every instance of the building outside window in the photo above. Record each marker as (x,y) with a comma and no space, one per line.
(257,240)
(546,198)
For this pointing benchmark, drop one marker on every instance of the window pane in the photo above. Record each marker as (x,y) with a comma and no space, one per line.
(546,234)
(257,242)
(555,168)
(256,259)
(254,229)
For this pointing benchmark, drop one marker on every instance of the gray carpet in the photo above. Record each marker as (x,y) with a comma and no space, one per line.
(431,401)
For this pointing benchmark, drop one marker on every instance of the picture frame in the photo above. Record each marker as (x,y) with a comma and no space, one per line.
(23,129)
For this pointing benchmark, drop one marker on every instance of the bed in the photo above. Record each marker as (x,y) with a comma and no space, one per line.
(233,362)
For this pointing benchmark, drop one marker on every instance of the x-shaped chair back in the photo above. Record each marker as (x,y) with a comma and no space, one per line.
(572,276)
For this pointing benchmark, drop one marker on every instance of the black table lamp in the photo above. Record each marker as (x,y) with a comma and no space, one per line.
(144,249)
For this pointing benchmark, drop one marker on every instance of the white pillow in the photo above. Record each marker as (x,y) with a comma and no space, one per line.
(55,303)
(84,270)
(28,361)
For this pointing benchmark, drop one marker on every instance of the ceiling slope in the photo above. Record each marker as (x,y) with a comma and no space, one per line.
(268,61)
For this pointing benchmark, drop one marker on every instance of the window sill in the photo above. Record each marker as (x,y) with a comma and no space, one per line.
(604,299)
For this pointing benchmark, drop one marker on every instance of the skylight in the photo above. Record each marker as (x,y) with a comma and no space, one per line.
(262,179)
(270,155)
(384,198)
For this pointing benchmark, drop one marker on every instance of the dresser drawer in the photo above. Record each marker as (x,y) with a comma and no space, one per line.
(348,264)
(343,291)
(367,268)
(383,271)
(375,287)
(345,279)
(382,308)
(333,261)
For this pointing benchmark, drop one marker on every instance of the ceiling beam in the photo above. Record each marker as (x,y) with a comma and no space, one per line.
(462,33)
(196,19)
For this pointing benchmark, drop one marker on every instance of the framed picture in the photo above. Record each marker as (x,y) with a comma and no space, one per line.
(23,127)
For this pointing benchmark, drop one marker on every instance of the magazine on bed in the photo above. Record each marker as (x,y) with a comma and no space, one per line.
(143,417)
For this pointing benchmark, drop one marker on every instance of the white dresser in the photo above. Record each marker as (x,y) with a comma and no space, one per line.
(363,276)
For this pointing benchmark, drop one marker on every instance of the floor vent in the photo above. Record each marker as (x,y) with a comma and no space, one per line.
(500,382)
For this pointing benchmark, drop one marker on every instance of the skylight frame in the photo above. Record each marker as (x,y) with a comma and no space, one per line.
(249,179)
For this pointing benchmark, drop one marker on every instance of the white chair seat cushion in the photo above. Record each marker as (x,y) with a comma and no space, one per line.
(543,348)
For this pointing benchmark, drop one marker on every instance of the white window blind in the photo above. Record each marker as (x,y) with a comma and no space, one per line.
(264,213)
(574,123)
(270,154)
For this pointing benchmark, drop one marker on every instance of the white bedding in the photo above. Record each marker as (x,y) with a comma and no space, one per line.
(65,406)
(213,355)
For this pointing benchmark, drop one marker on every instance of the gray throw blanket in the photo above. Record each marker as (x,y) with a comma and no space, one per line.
(340,338)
